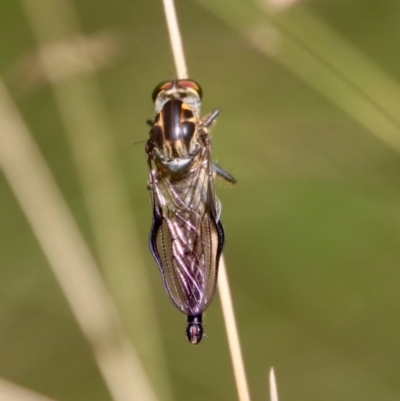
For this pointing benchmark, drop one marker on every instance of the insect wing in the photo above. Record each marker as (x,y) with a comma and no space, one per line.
(186,238)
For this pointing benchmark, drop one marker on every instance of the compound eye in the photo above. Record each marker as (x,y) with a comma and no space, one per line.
(188,83)
(181,83)
(161,87)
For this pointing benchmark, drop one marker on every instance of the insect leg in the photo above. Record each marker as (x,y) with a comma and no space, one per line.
(223,174)
(209,118)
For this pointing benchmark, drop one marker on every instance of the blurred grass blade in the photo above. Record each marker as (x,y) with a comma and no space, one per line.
(272,386)
(68,57)
(344,59)
(349,83)
(65,249)
(12,392)
(88,128)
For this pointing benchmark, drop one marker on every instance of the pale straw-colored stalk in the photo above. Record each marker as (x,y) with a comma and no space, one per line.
(223,284)
(232,333)
(12,392)
(175,39)
(68,255)
(273,391)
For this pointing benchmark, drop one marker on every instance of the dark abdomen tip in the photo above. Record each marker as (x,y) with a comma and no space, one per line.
(194,329)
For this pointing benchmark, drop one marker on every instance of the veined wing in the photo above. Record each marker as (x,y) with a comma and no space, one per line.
(187,237)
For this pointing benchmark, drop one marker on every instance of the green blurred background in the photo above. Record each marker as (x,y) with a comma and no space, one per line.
(309,126)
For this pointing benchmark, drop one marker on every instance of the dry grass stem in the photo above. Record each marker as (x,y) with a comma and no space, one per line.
(226,300)
(66,251)
(232,333)
(272,386)
(175,39)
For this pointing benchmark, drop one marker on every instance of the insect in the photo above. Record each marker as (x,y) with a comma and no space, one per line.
(186,236)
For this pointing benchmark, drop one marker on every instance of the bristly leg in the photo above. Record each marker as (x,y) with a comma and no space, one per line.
(209,118)
(223,173)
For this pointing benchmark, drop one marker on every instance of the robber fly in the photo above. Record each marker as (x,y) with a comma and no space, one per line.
(186,237)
